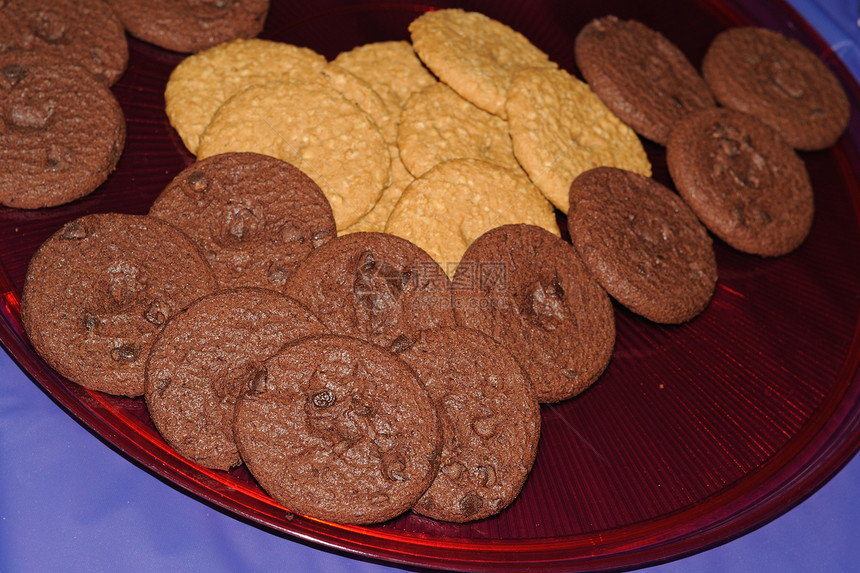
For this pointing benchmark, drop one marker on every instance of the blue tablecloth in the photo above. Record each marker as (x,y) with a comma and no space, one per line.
(68,502)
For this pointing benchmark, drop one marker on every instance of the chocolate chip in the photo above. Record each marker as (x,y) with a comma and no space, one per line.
(124,353)
(73,231)
(320,238)
(324,399)
(90,321)
(13,74)
(198,182)
(401,344)
(471,504)
(156,313)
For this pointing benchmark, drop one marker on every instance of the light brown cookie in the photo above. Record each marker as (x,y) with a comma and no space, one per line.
(365,97)
(474,54)
(312,126)
(560,129)
(202,82)
(376,218)
(438,125)
(456,202)
(339,429)
(391,68)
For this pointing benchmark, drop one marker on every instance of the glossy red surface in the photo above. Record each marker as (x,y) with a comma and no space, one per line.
(694,435)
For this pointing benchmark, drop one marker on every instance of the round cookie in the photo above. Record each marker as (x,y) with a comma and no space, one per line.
(374,220)
(210,354)
(456,202)
(640,75)
(474,54)
(781,82)
(339,429)
(191,25)
(101,288)
(744,182)
(560,129)
(528,289)
(363,95)
(373,286)
(85,32)
(642,244)
(312,126)
(438,125)
(490,423)
(202,82)
(61,131)
(255,217)
(391,68)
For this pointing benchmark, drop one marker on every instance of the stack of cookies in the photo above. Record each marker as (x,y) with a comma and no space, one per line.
(359,289)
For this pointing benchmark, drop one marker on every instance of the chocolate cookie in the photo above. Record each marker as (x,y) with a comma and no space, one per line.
(642,243)
(640,75)
(100,289)
(339,429)
(528,289)
(490,422)
(191,25)
(207,356)
(61,131)
(374,286)
(781,82)
(253,216)
(84,32)
(744,182)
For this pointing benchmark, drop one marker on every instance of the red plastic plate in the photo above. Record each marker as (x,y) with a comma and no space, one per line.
(695,434)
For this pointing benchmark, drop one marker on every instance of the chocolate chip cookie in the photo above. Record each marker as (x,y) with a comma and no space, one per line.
(339,429)
(101,288)
(61,131)
(373,286)
(643,244)
(490,422)
(207,356)
(528,289)
(255,217)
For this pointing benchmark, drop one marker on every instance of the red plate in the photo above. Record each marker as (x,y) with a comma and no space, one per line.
(694,435)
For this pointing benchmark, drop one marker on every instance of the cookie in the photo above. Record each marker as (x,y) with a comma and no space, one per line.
(474,54)
(313,127)
(101,288)
(391,68)
(61,131)
(528,289)
(84,32)
(373,286)
(365,97)
(744,182)
(191,26)
(640,75)
(339,429)
(438,125)
(781,82)
(642,244)
(560,129)
(374,220)
(206,357)
(202,82)
(490,423)
(253,216)
(456,202)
